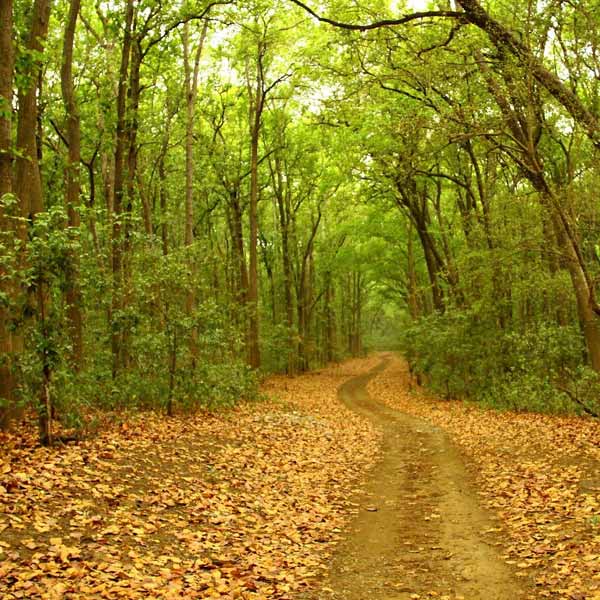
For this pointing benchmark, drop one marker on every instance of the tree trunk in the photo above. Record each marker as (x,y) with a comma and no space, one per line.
(239,255)
(355,342)
(283,206)
(191,73)
(303,294)
(256,121)
(6,96)
(131,132)
(119,189)
(414,202)
(45,408)
(433,269)
(7,382)
(302,325)
(330,334)
(413,305)
(268,265)
(73,290)
(28,180)
(146,207)
(162,193)
(191,93)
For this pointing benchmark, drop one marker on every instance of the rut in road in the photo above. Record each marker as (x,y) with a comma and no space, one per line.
(420,531)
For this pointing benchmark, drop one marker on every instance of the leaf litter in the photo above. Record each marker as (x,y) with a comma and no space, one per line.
(250,503)
(539,473)
(247,503)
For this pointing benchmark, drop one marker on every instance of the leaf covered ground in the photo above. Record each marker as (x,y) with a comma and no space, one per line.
(539,473)
(244,504)
(251,503)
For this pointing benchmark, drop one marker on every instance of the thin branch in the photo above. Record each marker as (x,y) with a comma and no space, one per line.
(260,161)
(183,20)
(444,44)
(586,409)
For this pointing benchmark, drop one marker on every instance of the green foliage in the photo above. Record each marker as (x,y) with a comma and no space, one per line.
(44,361)
(461,355)
(390,178)
(275,348)
(162,366)
(188,358)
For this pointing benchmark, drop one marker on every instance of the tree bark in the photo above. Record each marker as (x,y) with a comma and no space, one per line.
(191,92)
(283,209)
(268,265)
(28,180)
(162,192)
(432,260)
(130,177)
(7,382)
(330,324)
(73,137)
(146,207)
(413,304)
(119,190)
(239,255)
(505,39)
(6,97)
(257,103)
(303,301)
(28,186)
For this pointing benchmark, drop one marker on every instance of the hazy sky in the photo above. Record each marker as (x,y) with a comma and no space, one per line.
(416,4)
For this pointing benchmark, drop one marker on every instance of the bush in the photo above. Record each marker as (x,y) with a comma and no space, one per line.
(462,355)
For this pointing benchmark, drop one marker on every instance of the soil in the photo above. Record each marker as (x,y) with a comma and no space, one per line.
(420,531)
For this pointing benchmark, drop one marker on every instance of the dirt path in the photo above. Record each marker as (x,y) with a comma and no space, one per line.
(420,532)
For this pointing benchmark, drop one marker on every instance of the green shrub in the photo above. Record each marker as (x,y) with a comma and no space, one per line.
(462,355)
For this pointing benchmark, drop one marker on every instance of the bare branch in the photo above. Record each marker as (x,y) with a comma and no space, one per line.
(186,19)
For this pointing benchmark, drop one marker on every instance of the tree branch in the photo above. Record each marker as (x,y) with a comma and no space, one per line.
(448,14)
(504,39)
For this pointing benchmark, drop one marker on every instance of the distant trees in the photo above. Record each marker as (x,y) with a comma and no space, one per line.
(478,123)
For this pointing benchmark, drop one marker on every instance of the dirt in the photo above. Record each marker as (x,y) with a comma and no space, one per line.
(420,531)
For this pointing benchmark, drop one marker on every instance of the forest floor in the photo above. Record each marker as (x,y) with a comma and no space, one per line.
(347,484)
(537,476)
(422,533)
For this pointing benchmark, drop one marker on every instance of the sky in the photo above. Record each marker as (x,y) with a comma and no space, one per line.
(412,4)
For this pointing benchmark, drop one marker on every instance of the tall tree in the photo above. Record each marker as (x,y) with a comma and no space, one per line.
(73,137)
(6,226)
(191,73)
(117,303)
(257,93)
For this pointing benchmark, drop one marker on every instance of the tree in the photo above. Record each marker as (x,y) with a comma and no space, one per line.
(7,383)
(73,139)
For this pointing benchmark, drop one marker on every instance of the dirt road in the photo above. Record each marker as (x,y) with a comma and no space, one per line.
(420,532)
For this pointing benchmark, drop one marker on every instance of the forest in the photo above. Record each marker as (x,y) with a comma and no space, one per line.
(194,193)
(273,268)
